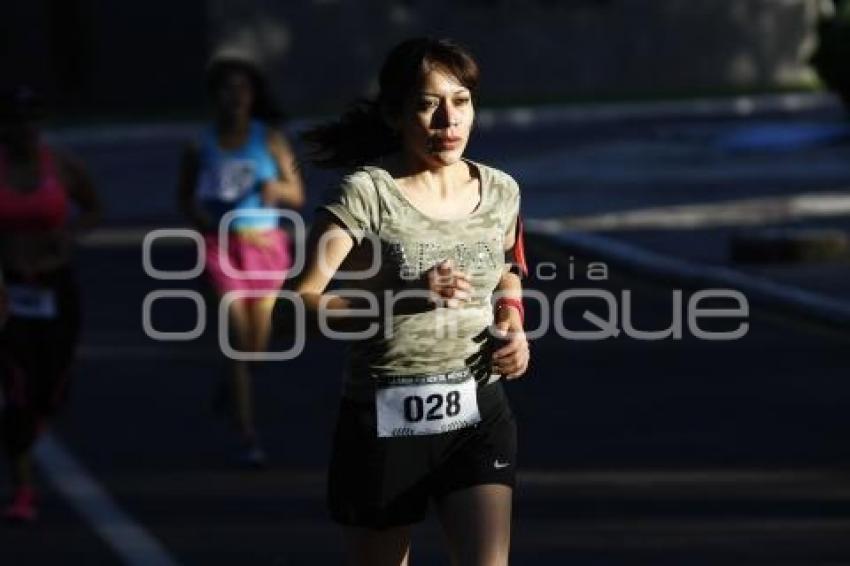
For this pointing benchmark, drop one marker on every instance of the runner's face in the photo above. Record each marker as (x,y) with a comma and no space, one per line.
(436,121)
(235,95)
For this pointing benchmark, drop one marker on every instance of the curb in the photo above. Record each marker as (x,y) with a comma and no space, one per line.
(760,292)
(517,117)
(718,107)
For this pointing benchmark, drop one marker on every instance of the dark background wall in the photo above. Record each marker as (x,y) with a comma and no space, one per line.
(107,57)
(131,57)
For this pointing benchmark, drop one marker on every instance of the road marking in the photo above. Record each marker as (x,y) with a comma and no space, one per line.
(742,212)
(127,538)
(761,292)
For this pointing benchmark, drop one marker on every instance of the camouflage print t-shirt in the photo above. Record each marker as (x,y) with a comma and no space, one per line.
(374,210)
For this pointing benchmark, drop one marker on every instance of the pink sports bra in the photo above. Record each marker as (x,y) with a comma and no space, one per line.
(44,208)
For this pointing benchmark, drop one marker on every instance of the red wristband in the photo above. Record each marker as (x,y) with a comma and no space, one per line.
(503,302)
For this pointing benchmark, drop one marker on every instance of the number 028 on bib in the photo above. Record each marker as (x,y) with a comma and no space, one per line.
(426,408)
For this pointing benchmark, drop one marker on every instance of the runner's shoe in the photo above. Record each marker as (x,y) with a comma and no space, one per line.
(254,457)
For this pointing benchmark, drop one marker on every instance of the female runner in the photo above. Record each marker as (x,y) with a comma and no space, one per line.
(423,415)
(38,293)
(243,164)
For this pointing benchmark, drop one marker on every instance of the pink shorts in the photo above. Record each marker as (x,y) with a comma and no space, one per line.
(245,255)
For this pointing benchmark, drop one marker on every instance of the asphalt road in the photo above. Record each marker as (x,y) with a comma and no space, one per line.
(632,452)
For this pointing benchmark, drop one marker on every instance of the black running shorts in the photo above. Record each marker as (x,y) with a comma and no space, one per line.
(384,482)
(36,353)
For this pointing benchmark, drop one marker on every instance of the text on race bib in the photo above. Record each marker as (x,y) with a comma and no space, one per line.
(426,408)
(232,180)
(29,301)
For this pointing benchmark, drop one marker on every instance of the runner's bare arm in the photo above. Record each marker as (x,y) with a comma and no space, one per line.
(509,287)
(511,360)
(287,189)
(80,190)
(327,247)
(187,181)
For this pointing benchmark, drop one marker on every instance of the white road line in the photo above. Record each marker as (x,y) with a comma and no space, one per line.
(741,212)
(758,290)
(739,106)
(127,538)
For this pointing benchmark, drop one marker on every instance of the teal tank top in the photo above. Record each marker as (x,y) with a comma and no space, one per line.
(232,179)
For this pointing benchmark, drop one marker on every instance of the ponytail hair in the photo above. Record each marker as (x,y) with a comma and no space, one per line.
(362,134)
(359,136)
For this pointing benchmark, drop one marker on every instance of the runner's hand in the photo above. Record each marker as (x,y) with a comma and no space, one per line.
(512,357)
(448,286)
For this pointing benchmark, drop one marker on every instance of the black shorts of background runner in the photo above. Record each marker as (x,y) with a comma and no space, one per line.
(35,358)
(379,482)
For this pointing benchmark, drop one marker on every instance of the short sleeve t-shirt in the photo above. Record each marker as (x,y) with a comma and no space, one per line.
(372,207)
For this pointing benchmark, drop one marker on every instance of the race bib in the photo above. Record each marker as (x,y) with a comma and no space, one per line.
(423,405)
(28,301)
(234,179)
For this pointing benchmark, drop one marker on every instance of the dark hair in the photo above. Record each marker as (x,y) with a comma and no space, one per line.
(264,107)
(361,134)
